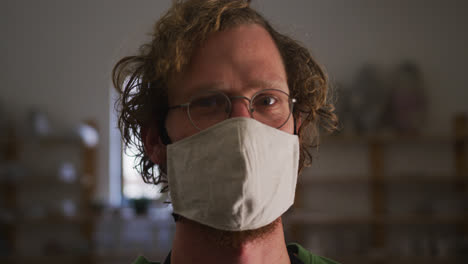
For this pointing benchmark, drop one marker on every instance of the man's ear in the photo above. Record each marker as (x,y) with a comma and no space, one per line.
(154,148)
(299,122)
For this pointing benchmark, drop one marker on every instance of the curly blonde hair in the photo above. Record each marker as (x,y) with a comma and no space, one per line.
(142,79)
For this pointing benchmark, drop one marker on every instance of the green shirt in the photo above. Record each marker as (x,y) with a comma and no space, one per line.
(303,254)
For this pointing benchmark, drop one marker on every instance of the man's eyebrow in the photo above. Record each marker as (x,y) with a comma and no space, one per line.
(215,86)
(266,84)
(253,85)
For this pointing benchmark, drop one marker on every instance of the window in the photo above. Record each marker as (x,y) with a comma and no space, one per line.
(125,184)
(133,186)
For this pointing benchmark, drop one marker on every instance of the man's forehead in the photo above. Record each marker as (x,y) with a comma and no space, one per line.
(252,85)
(242,56)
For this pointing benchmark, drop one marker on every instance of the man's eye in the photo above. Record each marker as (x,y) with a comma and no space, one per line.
(206,102)
(269,101)
(265,100)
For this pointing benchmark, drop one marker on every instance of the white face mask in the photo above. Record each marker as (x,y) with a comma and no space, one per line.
(236,175)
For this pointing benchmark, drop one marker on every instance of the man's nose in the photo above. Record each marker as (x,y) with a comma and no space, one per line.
(240,107)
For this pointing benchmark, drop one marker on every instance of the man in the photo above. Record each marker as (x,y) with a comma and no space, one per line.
(227,108)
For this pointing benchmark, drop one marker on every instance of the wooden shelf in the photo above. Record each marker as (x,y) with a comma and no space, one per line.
(303,180)
(399,259)
(118,257)
(304,218)
(19,183)
(49,220)
(46,183)
(379,205)
(424,220)
(57,220)
(386,179)
(51,141)
(50,259)
(390,138)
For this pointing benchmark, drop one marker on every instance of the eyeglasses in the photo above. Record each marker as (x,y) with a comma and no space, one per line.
(272,107)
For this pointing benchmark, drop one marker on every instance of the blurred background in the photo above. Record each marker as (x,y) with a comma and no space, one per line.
(390,186)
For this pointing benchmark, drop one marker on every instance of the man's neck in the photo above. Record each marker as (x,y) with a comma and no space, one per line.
(193,244)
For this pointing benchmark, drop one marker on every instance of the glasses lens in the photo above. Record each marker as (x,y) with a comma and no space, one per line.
(208,109)
(271,107)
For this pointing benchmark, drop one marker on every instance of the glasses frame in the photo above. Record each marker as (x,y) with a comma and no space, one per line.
(186,105)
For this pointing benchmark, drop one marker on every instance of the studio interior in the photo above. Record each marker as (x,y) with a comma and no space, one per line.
(390,186)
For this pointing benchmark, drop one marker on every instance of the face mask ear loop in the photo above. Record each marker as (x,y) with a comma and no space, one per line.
(295,128)
(175,216)
(165,139)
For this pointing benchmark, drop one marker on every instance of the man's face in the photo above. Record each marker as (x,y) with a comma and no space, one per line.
(239,61)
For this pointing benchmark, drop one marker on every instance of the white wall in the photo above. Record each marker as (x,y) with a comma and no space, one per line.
(58,55)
